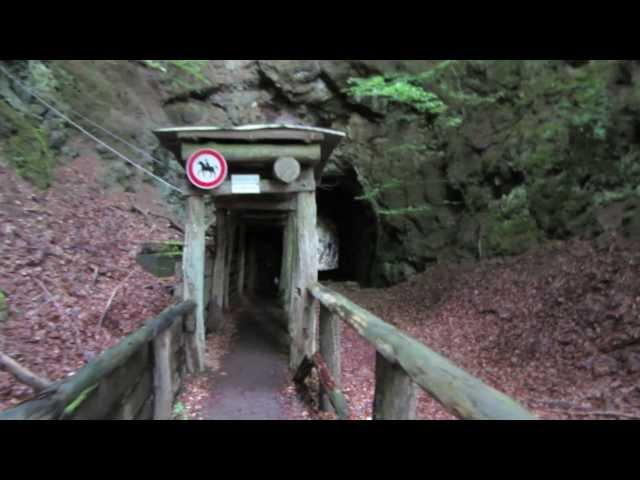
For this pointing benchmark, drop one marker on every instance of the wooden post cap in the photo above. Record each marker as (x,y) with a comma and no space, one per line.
(286,169)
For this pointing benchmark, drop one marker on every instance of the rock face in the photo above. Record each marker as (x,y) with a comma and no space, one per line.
(554,154)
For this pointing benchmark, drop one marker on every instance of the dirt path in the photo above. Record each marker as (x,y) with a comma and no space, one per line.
(252,375)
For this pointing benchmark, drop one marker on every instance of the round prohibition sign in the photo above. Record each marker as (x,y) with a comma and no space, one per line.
(206,169)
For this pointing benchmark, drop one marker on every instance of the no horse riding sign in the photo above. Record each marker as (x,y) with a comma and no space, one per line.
(206,169)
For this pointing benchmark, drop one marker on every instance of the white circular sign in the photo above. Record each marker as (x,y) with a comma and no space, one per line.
(206,168)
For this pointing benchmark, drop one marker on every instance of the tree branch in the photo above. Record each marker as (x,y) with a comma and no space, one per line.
(23,374)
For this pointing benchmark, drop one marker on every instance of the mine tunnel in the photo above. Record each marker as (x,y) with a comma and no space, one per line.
(268,240)
(355,226)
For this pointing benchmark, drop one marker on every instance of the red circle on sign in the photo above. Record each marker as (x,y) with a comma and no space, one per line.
(195,176)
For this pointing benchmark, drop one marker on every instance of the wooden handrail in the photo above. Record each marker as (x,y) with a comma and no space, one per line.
(50,402)
(459,392)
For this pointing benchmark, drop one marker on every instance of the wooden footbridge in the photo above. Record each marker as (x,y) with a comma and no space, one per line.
(264,182)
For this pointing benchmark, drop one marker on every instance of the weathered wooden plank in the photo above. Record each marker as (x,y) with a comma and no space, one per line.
(134,401)
(258,152)
(146,412)
(242,255)
(329,339)
(252,265)
(288,248)
(219,277)
(260,135)
(304,273)
(240,202)
(232,225)
(162,388)
(305,183)
(286,169)
(332,390)
(113,388)
(193,259)
(462,394)
(395,392)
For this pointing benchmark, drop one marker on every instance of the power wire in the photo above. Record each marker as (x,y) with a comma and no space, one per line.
(93,137)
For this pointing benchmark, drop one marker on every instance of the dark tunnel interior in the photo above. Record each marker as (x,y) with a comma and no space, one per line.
(268,241)
(356,226)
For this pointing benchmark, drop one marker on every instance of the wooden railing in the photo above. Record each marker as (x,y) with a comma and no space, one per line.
(402,362)
(139,370)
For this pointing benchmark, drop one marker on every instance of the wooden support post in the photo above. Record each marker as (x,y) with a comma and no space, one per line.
(193,277)
(242,253)
(231,239)
(162,382)
(219,276)
(330,329)
(302,314)
(252,265)
(395,394)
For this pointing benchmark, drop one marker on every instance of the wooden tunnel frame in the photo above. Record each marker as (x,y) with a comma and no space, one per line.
(290,160)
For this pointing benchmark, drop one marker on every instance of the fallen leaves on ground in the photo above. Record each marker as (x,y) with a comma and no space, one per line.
(64,252)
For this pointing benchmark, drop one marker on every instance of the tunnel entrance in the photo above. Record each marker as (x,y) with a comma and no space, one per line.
(268,240)
(356,226)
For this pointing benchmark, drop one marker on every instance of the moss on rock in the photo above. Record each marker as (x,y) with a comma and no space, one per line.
(27,148)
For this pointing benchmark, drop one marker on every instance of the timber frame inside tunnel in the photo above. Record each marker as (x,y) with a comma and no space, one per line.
(289,160)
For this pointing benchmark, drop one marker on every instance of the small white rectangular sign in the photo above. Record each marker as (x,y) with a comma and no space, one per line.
(245,183)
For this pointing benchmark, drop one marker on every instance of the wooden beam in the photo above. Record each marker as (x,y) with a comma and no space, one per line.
(304,273)
(217,285)
(162,381)
(329,333)
(286,169)
(240,202)
(252,265)
(331,388)
(51,402)
(232,223)
(193,262)
(305,183)
(242,254)
(395,393)
(462,394)
(258,152)
(253,136)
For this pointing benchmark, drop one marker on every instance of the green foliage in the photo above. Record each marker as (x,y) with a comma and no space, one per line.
(510,228)
(404,211)
(171,248)
(182,74)
(587,104)
(179,411)
(608,197)
(372,192)
(69,409)
(400,90)
(438,92)
(27,149)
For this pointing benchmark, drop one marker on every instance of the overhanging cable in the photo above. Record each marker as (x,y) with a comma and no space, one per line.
(93,137)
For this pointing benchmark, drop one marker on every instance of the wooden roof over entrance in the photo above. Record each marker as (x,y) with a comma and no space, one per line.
(173,138)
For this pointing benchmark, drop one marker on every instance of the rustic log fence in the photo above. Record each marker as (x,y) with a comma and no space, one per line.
(402,362)
(136,379)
